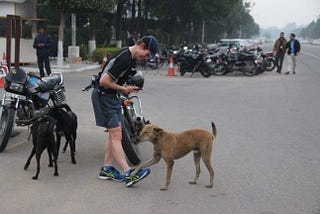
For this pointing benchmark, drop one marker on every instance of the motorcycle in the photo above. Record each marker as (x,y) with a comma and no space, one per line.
(195,61)
(240,61)
(153,62)
(267,58)
(27,97)
(133,120)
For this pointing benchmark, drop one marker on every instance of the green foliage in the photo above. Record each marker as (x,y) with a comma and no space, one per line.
(78,5)
(83,51)
(97,54)
(312,30)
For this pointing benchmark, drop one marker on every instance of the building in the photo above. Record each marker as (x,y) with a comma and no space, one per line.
(27,10)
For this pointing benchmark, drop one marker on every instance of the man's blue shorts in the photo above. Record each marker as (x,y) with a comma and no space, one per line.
(107,109)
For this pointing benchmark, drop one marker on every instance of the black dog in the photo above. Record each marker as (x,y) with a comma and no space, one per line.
(43,137)
(67,124)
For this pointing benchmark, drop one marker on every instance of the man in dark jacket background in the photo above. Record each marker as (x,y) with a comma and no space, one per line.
(43,44)
(293,47)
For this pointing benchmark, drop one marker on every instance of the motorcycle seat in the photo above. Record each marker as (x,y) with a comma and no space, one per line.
(48,83)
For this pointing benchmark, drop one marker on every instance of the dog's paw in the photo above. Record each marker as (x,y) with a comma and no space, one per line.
(56,174)
(192,182)
(35,177)
(26,166)
(164,189)
(73,161)
(209,186)
(50,165)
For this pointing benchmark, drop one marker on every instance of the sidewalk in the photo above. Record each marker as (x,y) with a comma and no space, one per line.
(66,67)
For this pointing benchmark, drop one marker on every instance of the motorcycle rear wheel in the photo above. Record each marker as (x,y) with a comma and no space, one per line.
(6,126)
(205,72)
(251,71)
(129,148)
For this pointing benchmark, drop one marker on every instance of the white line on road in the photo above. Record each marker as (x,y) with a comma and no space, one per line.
(309,54)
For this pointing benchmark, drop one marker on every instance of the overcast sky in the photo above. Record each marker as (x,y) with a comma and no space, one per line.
(279,13)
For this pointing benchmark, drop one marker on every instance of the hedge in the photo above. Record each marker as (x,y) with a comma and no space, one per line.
(97,54)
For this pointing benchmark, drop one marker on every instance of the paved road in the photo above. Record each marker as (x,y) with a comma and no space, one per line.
(266,155)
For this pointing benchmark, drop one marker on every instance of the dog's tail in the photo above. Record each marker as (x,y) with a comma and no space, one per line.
(214,129)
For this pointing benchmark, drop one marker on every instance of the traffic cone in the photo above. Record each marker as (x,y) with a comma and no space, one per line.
(171,68)
(4,70)
(104,59)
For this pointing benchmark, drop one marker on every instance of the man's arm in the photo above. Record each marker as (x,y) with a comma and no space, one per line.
(107,81)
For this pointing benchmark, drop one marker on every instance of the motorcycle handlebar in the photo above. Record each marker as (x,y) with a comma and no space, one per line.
(87,88)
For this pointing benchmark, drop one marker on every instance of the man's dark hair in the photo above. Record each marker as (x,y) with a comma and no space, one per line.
(292,34)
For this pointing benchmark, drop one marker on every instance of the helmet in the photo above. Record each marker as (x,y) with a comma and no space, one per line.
(137,79)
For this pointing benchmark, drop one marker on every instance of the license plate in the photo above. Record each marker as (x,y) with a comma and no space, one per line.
(17,96)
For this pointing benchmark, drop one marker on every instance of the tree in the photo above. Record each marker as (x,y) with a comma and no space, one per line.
(76,6)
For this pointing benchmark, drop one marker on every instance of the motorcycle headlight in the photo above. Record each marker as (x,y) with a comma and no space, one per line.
(16,87)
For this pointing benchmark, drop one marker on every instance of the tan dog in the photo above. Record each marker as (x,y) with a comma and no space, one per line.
(171,146)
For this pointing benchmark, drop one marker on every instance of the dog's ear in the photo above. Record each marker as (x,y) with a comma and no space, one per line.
(157,130)
(158,133)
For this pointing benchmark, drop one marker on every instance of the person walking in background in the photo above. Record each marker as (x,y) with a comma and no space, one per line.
(279,50)
(43,44)
(293,47)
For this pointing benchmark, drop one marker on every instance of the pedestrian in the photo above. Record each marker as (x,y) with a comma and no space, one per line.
(107,107)
(279,50)
(293,46)
(43,44)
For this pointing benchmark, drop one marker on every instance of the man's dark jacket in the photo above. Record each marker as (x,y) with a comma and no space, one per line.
(296,47)
(43,51)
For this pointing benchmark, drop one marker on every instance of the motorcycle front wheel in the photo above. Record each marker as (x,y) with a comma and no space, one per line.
(129,147)
(6,126)
(270,64)
(220,69)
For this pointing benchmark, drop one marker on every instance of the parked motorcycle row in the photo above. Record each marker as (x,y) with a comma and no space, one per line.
(218,61)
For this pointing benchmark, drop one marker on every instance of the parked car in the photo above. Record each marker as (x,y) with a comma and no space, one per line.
(233,43)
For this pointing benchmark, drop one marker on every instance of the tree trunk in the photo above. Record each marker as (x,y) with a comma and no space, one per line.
(92,34)
(139,27)
(146,11)
(133,26)
(120,8)
(61,38)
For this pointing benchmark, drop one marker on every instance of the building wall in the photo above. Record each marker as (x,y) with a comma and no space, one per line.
(25,9)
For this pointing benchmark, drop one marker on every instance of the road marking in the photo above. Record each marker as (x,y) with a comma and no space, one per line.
(309,54)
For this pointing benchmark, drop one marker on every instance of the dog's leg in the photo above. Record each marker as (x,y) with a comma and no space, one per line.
(150,162)
(50,157)
(38,156)
(196,157)
(207,162)
(169,172)
(55,161)
(72,150)
(26,166)
(65,146)
(58,143)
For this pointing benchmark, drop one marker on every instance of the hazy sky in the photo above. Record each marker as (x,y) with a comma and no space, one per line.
(268,13)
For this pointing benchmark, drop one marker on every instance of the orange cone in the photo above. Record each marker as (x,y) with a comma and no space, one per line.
(171,68)
(2,82)
(104,59)
(4,70)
